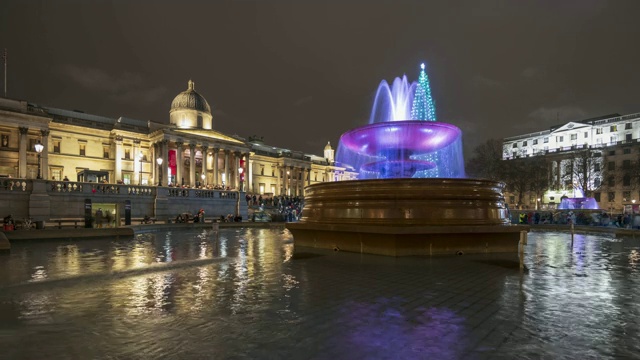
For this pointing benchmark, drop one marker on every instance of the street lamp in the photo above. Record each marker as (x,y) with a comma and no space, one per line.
(538,204)
(203,176)
(159,161)
(140,157)
(39,147)
(240,170)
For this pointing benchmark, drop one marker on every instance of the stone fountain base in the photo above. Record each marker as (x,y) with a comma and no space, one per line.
(400,217)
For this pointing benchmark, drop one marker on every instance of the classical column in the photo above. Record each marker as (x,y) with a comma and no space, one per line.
(137,161)
(22,156)
(278,187)
(226,168)
(205,148)
(192,165)
(236,181)
(45,154)
(164,154)
(155,151)
(119,155)
(216,179)
(309,176)
(179,163)
(248,177)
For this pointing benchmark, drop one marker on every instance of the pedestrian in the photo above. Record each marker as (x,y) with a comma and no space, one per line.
(99,218)
(108,218)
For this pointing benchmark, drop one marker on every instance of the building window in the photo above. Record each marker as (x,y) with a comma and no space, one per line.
(56,174)
(626,195)
(273,172)
(613,128)
(597,183)
(612,196)
(574,136)
(586,134)
(598,131)
(559,139)
(32,145)
(628,137)
(627,126)
(56,146)
(105,152)
(626,151)
(611,166)
(546,140)
(596,196)
(612,152)
(611,181)
(524,143)
(127,154)
(261,170)
(596,167)
(83,149)
(626,181)
(514,154)
(626,164)
(5,140)
(515,145)
(535,142)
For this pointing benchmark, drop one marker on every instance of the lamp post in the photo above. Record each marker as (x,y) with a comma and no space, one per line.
(240,170)
(140,158)
(159,161)
(203,176)
(39,147)
(538,204)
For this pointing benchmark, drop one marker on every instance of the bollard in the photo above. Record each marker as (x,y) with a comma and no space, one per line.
(523,237)
(572,233)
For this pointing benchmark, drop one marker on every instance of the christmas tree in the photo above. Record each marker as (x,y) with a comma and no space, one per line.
(423,107)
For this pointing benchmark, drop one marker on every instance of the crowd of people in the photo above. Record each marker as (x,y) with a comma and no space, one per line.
(578,217)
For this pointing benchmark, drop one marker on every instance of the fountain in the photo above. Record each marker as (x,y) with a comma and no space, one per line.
(411,196)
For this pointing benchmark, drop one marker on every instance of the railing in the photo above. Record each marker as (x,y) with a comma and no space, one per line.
(99,188)
(202,193)
(15,185)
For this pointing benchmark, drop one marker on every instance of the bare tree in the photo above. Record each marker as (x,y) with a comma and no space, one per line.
(487,161)
(583,170)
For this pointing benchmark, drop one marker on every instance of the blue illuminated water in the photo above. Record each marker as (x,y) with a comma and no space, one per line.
(402,139)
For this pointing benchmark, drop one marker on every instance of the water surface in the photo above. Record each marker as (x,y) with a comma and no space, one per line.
(245,294)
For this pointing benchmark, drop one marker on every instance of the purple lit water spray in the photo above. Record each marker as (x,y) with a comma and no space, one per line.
(403,139)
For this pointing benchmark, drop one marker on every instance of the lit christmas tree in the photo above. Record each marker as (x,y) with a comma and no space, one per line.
(423,107)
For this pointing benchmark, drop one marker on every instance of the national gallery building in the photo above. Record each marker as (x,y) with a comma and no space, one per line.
(187,152)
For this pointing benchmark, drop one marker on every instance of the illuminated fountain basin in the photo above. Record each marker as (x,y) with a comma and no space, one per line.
(411,197)
(578,203)
(403,149)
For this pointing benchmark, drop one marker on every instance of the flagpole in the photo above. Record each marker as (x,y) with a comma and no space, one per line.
(4,57)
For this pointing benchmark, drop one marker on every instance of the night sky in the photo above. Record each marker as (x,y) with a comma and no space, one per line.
(300,73)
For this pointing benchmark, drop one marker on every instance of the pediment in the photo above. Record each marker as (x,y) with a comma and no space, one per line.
(571,126)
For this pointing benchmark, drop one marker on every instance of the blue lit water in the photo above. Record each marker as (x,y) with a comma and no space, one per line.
(245,294)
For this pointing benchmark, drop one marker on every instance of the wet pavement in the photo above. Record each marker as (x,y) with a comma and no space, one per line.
(244,293)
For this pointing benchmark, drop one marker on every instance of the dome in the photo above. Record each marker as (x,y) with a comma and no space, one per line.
(328,147)
(190,99)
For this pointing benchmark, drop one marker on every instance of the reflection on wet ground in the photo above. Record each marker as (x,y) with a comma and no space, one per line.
(245,293)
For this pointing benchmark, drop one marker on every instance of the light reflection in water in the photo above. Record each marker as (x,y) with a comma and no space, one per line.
(234,289)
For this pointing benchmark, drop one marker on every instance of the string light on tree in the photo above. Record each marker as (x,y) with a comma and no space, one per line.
(423,107)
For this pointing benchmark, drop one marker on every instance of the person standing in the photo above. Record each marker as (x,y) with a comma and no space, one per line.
(99,218)
(108,218)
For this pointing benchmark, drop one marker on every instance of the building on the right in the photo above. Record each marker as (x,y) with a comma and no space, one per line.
(596,157)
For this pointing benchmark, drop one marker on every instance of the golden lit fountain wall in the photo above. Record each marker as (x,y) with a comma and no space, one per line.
(400,217)
(412,197)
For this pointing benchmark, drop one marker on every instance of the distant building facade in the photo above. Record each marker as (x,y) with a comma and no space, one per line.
(92,148)
(612,143)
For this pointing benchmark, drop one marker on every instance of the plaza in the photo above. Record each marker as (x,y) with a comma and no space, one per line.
(250,293)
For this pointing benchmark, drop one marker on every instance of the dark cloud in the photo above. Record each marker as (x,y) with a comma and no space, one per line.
(300,73)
